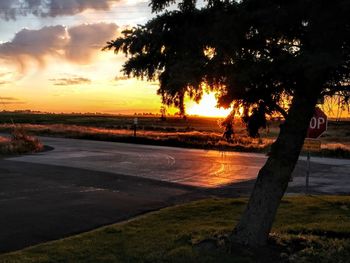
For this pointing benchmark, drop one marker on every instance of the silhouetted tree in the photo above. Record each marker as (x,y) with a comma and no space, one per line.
(255,53)
(163,113)
(255,120)
(227,124)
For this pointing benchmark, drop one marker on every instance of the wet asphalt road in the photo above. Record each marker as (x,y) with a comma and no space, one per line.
(44,202)
(81,185)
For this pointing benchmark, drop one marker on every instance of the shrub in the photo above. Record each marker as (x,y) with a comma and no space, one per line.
(20,142)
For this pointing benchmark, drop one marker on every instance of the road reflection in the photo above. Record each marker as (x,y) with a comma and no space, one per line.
(215,169)
(186,166)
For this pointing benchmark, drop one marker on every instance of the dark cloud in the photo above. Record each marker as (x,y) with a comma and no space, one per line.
(70,81)
(13,103)
(10,101)
(35,44)
(3,82)
(122,77)
(10,9)
(8,98)
(77,44)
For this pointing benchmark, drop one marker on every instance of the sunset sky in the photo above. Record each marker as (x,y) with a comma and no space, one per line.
(51,58)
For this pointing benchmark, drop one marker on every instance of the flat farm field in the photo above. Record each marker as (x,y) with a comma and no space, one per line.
(192,132)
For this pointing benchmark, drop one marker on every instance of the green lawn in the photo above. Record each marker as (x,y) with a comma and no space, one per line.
(307,229)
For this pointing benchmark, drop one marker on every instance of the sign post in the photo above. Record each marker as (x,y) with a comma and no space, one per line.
(307,174)
(318,125)
(135,126)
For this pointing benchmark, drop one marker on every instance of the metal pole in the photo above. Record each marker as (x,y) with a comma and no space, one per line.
(307,172)
(135,125)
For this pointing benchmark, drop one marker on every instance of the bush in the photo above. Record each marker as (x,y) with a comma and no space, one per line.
(20,142)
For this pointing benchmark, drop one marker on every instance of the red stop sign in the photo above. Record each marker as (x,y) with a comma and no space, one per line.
(318,124)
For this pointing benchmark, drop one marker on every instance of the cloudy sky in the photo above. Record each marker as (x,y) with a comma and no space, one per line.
(51,58)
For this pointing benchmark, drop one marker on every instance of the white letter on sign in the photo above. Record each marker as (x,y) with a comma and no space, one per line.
(320,122)
(313,123)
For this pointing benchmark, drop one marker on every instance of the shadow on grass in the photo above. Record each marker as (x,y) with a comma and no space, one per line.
(171,235)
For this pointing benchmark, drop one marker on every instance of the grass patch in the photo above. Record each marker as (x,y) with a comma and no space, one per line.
(307,229)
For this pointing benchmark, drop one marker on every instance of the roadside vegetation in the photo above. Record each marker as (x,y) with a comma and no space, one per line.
(19,142)
(189,139)
(307,229)
(194,132)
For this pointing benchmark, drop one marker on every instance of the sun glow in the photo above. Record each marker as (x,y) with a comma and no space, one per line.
(206,107)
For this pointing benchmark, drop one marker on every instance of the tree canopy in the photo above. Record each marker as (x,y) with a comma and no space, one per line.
(254,53)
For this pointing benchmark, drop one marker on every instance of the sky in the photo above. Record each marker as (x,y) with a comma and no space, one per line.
(51,59)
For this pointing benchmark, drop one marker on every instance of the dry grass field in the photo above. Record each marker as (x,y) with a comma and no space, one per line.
(194,132)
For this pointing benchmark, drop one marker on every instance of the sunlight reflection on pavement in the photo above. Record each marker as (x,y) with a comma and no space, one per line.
(201,168)
(186,166)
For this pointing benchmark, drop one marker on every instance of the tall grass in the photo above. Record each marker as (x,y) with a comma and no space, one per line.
(332,146)
(195,139)
(19,142)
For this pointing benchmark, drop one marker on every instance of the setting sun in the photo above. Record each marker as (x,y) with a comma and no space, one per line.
(206,107)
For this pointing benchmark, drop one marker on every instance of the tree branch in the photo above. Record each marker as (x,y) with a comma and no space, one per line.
(278,108)
(334,89)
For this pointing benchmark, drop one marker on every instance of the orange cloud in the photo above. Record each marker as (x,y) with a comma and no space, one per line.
(70,81)
(10,101)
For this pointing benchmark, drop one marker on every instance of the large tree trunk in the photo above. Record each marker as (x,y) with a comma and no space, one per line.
(255,224)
